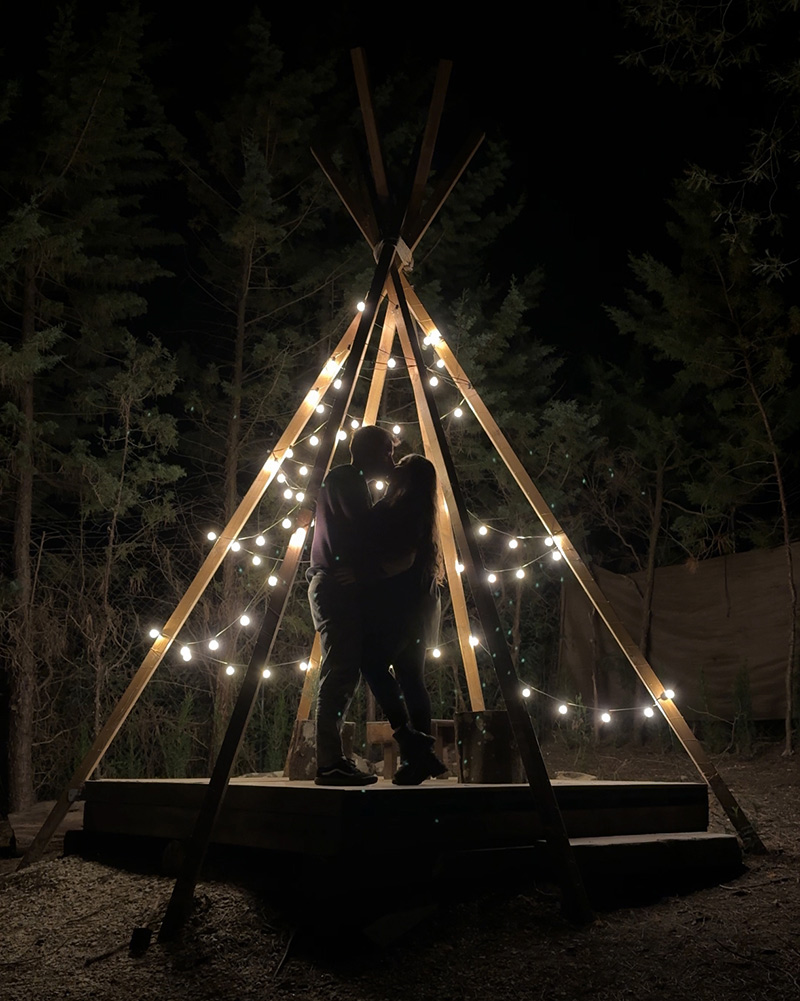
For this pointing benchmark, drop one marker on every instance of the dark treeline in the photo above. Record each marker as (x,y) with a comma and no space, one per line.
(174,271)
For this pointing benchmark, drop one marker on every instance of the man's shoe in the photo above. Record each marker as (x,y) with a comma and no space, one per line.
(412,773)
(343,773)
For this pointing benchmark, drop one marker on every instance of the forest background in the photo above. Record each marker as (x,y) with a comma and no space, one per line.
(175,270)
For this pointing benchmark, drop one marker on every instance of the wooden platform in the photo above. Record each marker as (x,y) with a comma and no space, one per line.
(629,829)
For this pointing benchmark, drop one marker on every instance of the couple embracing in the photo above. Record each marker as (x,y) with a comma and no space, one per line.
(373,591)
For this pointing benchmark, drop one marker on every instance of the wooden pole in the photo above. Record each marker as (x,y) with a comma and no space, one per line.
(193,593)
(183,892)
(381,367)
(574,900)
(572,558)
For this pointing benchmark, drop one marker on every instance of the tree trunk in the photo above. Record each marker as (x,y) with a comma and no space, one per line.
(23,667)
(650,572)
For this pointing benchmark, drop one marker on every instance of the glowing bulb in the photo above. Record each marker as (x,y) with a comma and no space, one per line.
(563,710)
(289,453)
(211,536)
(549,541)
(300,496)
(459,568)
(458,412)
(186,653)
(526,693)
(512,543)
(440,363)
(213,644)
(260,540)
(432,337)
(286,523)
(303,665)
(605,717)
(668,694)
(341,435)
(256,561)
(313,440)
(313,395)
(361,306)
(331,367)
(337,383)
(321,408)
(235,547)
(520,573)
(648,712)
(556,555)
(396,429)
(230,669)
(433,381)
(483,530)
(266,672)
(391,363)
(436,652)
(281,478)
(303,470)
(492,577)
(288,494)
(379,484)
(473,641)
(154,634)
(270,465)
(272,580)
(354,424)
(244,620)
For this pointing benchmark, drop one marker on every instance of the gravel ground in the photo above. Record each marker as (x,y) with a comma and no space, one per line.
(66,924)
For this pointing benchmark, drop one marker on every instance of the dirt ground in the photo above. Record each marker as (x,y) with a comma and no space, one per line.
(66,924)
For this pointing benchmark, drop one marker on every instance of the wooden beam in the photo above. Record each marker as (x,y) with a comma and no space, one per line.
(361,215)
(381,367)
(574,561)
(574,900)
(175,623)
(370,124)
(182,895)
(428,141)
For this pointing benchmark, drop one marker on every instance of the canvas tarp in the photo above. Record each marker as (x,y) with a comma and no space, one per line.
(720,632)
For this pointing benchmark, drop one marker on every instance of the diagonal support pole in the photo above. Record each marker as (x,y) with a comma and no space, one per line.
(572,557)
(574,901)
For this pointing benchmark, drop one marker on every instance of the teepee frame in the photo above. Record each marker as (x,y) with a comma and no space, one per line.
(392,231)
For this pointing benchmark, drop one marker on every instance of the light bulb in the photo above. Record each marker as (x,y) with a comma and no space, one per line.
(286,523)
(483,530)
(361,306)
(556,555)
(440,363)
(458,412)
(256,561)
(391,363)
(154,634)
(473,641)
(396,429)
(549,541)
(213,644)
(379,484)
(563,710)
(299,496)
(260,540)
(245,620)
(270,465)
(436,652)
(303,470)
(289,453)
(492,577)
(266,672)
(331,367)
(459,568)
(320,408)
(512,543)
(211,536)
(341,435)
(313,395)
(303,665)
(235,547)
(354,424)
(520,573)
(337,383)
(313,440)
(288,494)
(281,478)
(668,694)
(186,653)
(605,717)
(272,580)
(648,712)
(526,693)
(230,669)
(433,381)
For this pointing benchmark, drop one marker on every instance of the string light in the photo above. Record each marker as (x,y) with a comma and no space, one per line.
(668,694)
(474,641)
(549,540)
(379,484)
(299,496)
(483,530)
(272,580)
(361,306)
(520,573)
(648,712)
(256,561)
(491,578)
(337,383)
(313,440)
(512,543)
(211,536)
(321,408)
(440,363)
(244,620)
(304,665)
(235,547)
(281,478)
(433,381)
(354,424)
(266,673)
(526,693)
(303,470)
(230,669)
(556,555)
(286,523)
(313,395)
(154,634)
(459,568)
(605,717)
(391,363)
(289,453)
(436,652)
(563,709)
(213,644)
(288,495)
(458,412)
(186,653)
(260,540)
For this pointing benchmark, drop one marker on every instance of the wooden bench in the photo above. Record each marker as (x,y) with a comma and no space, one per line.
(380,732)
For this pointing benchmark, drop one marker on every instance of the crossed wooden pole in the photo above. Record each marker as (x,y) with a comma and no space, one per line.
(393,233)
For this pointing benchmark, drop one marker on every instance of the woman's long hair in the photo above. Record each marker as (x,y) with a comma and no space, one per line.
(411,522)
